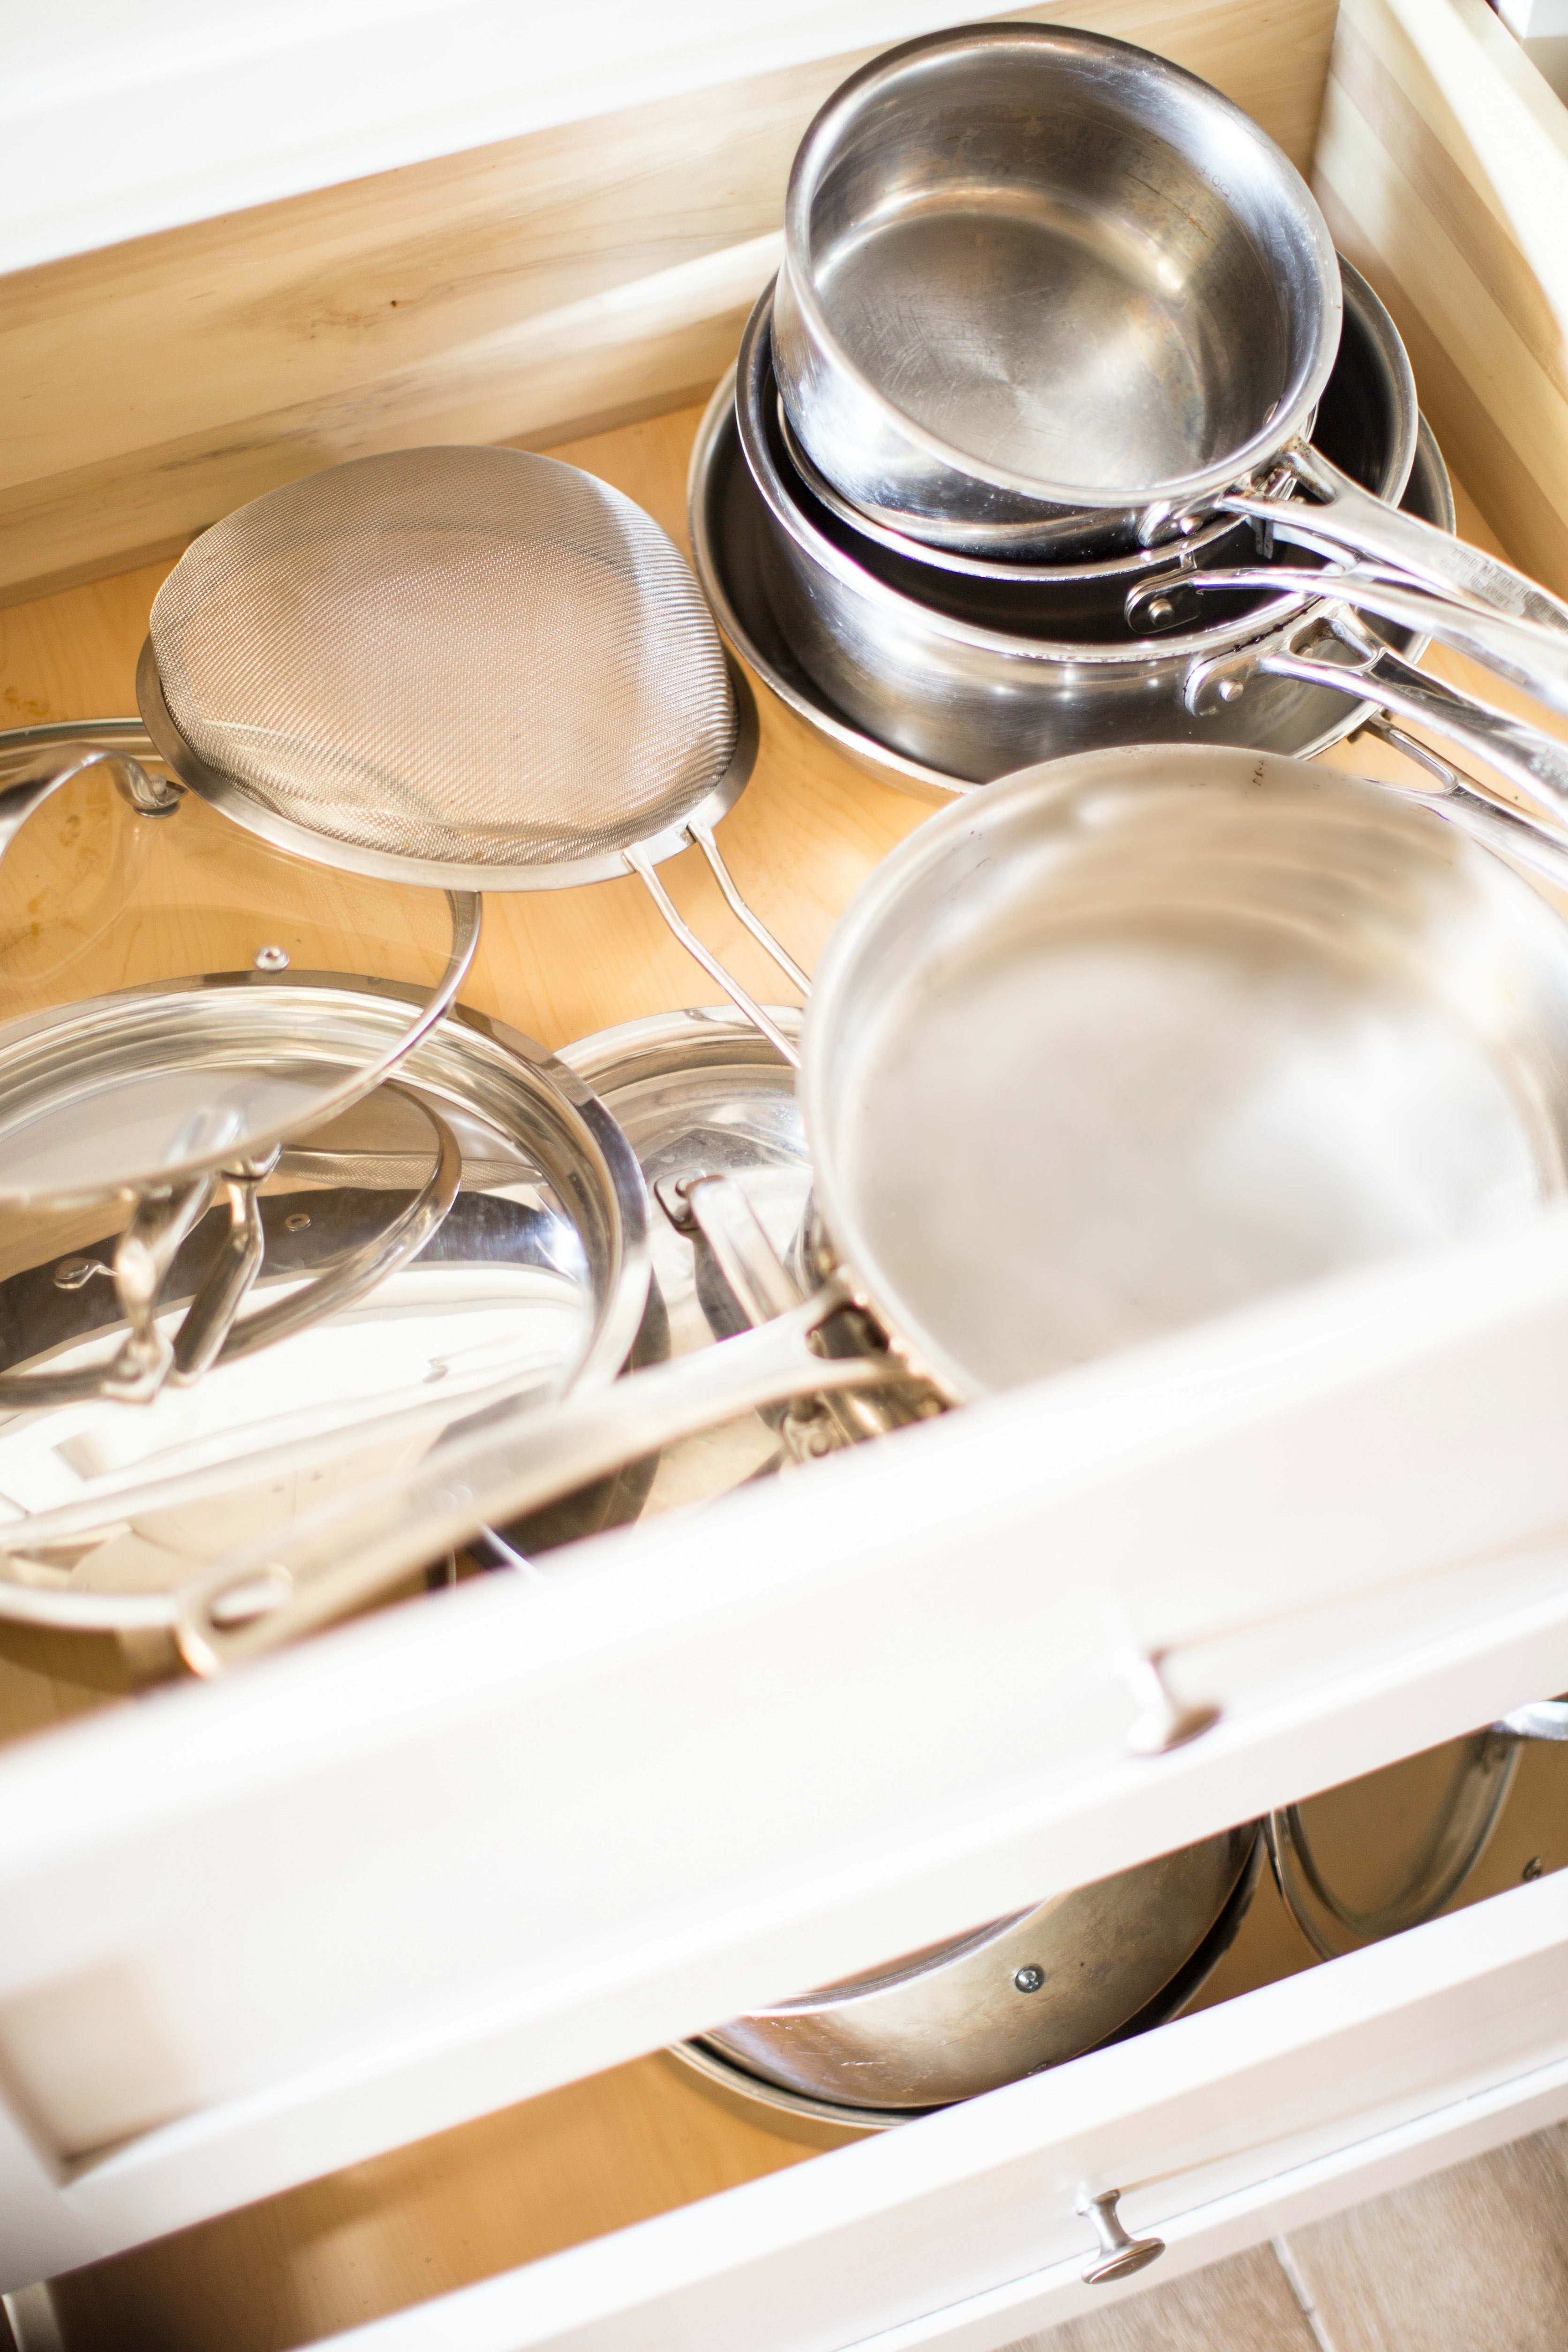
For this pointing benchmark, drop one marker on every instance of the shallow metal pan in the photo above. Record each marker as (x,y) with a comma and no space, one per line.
(1123,1043)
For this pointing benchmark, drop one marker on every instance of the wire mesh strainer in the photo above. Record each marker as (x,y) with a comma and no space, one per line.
(468,668)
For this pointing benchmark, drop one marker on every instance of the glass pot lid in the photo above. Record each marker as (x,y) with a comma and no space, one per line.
(143,1036)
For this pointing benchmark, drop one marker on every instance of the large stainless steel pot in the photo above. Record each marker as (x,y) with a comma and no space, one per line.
(1120,1044)
(1038,283)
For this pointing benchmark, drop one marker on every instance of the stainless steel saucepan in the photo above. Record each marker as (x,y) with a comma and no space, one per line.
(976,702)
(1040,281)
(1123,1043)
(733,548)
(1367,423)
(1028,264)
(1040,286)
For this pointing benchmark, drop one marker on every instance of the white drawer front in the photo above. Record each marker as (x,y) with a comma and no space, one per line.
(443,1860)
(960,2232)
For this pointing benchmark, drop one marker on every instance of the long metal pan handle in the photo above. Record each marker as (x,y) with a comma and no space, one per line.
(1348,520)
(1524,652)
(1535,764)
(1500,829)
(334,1559)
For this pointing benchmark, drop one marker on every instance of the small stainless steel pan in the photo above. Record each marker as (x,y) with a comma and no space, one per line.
(1039,281)
(1126,1042)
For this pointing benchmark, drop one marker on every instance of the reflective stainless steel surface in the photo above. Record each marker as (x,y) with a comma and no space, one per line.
(1018,1996)
(968,700)
(1123,1043)
(1037,282)
(1194,1025)
(694,1092)
(535,1282)
(1367,423)
(474,668)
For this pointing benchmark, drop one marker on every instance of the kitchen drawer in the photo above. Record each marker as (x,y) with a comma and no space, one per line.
(457,1855)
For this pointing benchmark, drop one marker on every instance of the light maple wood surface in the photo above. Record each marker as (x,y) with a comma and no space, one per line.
(1417,141)
(518,290)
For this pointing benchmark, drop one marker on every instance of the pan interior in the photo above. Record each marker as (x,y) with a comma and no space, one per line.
(1084,275)
(1171,1048)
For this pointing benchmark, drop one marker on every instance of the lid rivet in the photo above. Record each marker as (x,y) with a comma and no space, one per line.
(1029,1978)
(271,958)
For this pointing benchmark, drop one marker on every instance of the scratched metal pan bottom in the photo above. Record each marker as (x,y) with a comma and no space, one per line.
(897,2043)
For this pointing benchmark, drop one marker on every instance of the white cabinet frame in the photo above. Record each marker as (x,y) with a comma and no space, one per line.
(447,1858)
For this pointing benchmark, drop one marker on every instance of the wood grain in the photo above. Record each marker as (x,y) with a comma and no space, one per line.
(1475,2257)
(594,2156)
(1405,182)
(588,271)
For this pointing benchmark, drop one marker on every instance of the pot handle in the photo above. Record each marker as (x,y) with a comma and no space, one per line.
(336,1558)
(210,1331)
(1535,764)
(1345,520)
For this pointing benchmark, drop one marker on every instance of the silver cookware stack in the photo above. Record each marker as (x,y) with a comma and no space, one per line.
(1066,476)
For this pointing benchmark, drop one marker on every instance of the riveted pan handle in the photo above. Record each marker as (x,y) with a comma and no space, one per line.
(1326,647)
(334,1559)
(1343,519)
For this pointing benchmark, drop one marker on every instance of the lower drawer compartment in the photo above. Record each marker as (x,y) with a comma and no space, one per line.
(648,2207)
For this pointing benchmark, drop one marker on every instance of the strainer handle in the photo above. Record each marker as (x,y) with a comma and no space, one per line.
(349,1551)
(644,867)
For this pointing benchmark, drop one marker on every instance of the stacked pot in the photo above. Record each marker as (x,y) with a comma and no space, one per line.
(1063,427)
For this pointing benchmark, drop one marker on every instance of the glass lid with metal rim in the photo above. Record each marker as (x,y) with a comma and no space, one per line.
(143,1038)
(533,1281)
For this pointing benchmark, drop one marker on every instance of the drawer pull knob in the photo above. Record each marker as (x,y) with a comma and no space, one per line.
(1119,2254)
(1163,1721)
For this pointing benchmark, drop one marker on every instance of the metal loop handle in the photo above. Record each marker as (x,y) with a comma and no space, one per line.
(1521,651)
(1345,520)
(1368,671)
(333,1559)
(209,1332)
(27,788)
(341,1285)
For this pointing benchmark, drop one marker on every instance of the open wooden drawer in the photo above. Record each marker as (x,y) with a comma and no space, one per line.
(451,1858)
